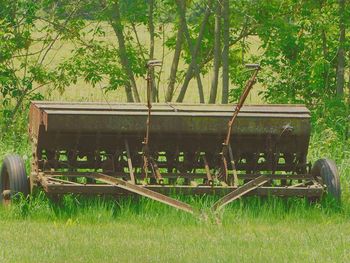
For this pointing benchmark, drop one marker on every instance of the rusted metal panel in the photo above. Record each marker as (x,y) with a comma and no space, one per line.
(130,119)
(86,127)
(185,124)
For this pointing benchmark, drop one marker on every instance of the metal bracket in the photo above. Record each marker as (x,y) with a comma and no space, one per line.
(207,171)
(155,170)
(242,190)
(233,165)
(137,189)
(131,169)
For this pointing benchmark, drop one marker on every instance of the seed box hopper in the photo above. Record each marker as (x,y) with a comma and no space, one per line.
(94,148)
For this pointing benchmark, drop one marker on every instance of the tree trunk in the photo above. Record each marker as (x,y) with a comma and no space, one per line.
(324,53)
(225,51)
(217,53)
(325,57)
(175,63)
(115,21)
(160,72)
(139,45)
(151,48)
(194,51)
(210,54)
(341,50)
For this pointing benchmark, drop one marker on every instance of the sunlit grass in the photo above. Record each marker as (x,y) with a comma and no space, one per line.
(127,230)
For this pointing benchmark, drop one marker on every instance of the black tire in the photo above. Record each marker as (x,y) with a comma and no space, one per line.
(326,171)
(13,176)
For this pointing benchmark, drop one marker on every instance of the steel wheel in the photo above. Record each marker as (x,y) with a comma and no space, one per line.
(13,177)
(326,171)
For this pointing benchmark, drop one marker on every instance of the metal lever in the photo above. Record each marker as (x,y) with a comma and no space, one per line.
(146,155)
(150,64)
(253,66)
(244,95)
(242,99)
(153,63)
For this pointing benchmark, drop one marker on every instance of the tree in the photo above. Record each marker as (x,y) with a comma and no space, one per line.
(341,50)
(193,67)
(115,21)
(304,47)
(225,51)
(175,63)
(217,53)
(151,49)
(300,47)
(25,64)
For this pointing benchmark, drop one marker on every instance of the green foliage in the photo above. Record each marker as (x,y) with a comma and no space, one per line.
(134,11)
(24,63)
(93,64)
(300,50)
(334,114)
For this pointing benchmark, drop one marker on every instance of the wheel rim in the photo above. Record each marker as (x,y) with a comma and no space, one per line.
(5,186)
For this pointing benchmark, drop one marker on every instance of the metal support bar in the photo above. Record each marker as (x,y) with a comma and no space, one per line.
(144,192)
(244,189)
(235,177)
(131,169)
(185,174)
(108,189)
(64,181)
(207,171)
(224,169)
(155,170)
(145,166)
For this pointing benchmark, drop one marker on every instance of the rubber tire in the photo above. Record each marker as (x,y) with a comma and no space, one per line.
(327,170)
(13,166)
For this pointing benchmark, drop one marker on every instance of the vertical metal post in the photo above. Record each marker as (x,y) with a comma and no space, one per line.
(131,169)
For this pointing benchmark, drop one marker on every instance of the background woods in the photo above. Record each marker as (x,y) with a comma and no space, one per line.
(97,50)
(303,46)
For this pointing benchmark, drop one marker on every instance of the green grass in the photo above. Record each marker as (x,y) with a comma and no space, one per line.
(95,230)
(158,242)
(123,241)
